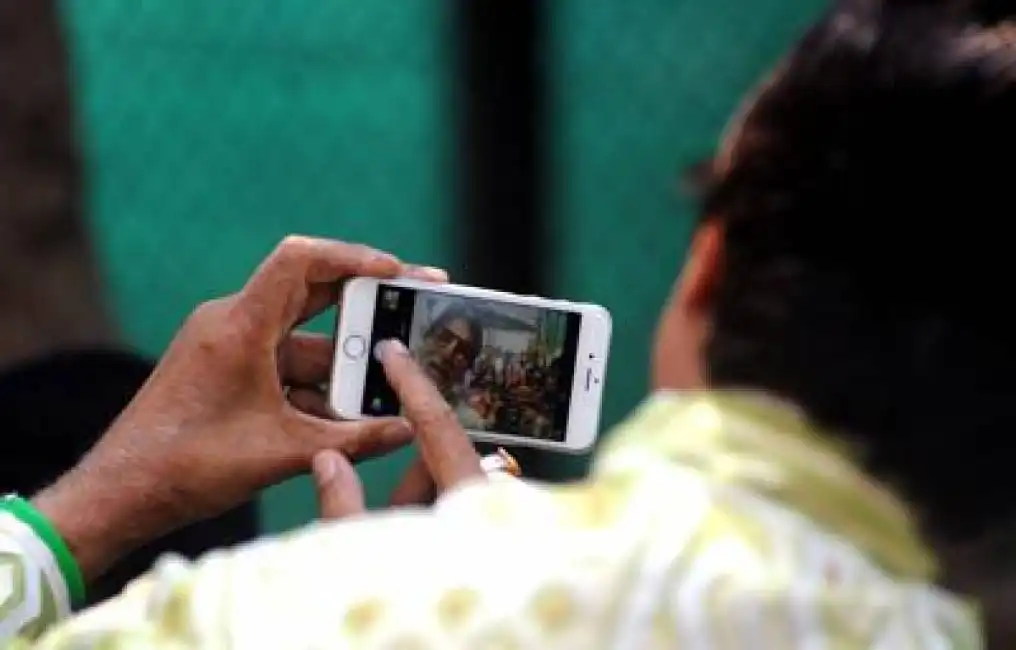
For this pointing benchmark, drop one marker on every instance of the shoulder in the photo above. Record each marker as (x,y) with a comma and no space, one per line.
(665,560)
(754,572)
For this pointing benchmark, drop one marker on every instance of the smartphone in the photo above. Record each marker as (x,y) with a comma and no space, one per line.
(517,370)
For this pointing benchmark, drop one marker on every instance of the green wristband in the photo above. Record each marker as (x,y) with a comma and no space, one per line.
(27,514)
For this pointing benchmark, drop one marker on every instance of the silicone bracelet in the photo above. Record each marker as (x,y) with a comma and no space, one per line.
(27,514)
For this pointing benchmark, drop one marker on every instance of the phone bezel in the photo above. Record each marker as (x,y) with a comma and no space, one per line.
(345,395)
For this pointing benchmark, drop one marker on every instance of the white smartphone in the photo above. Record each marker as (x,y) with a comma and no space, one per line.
(517,370)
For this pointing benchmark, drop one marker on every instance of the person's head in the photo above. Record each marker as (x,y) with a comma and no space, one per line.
(451,344)
(852,258)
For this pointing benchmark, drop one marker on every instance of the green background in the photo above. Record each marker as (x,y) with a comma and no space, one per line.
(212,128)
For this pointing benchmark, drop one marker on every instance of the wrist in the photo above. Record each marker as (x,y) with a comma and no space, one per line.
(99,524)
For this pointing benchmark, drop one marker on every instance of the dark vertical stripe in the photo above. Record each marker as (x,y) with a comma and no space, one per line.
(502,163)
(501,126)
(42,225)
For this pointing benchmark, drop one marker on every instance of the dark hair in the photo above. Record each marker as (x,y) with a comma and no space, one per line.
(865,273)
(459,311)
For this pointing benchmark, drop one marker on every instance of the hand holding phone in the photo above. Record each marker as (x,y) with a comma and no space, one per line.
(515,370)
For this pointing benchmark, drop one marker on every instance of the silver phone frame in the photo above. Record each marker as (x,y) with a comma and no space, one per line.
(345,395)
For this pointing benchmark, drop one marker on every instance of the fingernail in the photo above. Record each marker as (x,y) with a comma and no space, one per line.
(382,256)
(378,258)
(435,273)
(389,346)
(325,467)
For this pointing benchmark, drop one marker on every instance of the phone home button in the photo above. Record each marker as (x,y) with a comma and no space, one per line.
(354,346)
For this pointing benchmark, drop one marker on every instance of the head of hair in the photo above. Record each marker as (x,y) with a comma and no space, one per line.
(458,311)
(865,270)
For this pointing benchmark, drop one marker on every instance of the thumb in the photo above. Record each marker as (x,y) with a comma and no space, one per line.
(340,492)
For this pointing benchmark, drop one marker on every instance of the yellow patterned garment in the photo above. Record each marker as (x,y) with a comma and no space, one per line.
(710,521)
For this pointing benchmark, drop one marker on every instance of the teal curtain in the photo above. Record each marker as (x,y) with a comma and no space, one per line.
(212,129)
(641,90)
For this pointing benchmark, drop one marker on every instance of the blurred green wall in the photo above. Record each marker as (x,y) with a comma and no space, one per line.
(643,89)
(213,128)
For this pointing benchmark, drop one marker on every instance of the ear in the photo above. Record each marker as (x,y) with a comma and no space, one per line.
(678,362)
(702,267)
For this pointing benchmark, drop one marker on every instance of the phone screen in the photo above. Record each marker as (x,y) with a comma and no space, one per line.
(503,368)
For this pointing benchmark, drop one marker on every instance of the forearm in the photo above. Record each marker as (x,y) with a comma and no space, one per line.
(99,519)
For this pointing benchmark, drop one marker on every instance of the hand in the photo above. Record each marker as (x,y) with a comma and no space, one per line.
(446,459)
(212,425)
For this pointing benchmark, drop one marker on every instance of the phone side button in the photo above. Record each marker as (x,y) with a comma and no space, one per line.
(354,346)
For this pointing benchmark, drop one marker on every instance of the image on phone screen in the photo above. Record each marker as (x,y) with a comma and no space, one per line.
(503,368)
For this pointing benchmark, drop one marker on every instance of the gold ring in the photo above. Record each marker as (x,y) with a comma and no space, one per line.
(501,461)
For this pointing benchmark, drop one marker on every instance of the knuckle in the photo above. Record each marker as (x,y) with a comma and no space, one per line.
(448,416)
(438,415)
(293,247)
(207,314)
(358,257)
(363,253)
(296,243)
(215,329)
(353,446)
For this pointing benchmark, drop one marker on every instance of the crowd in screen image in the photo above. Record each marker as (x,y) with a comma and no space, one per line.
(499,366)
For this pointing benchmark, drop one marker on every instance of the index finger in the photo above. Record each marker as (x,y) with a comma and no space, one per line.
(443,444)
(281,289)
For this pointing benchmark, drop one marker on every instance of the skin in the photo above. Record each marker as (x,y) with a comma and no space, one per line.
(213,424)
